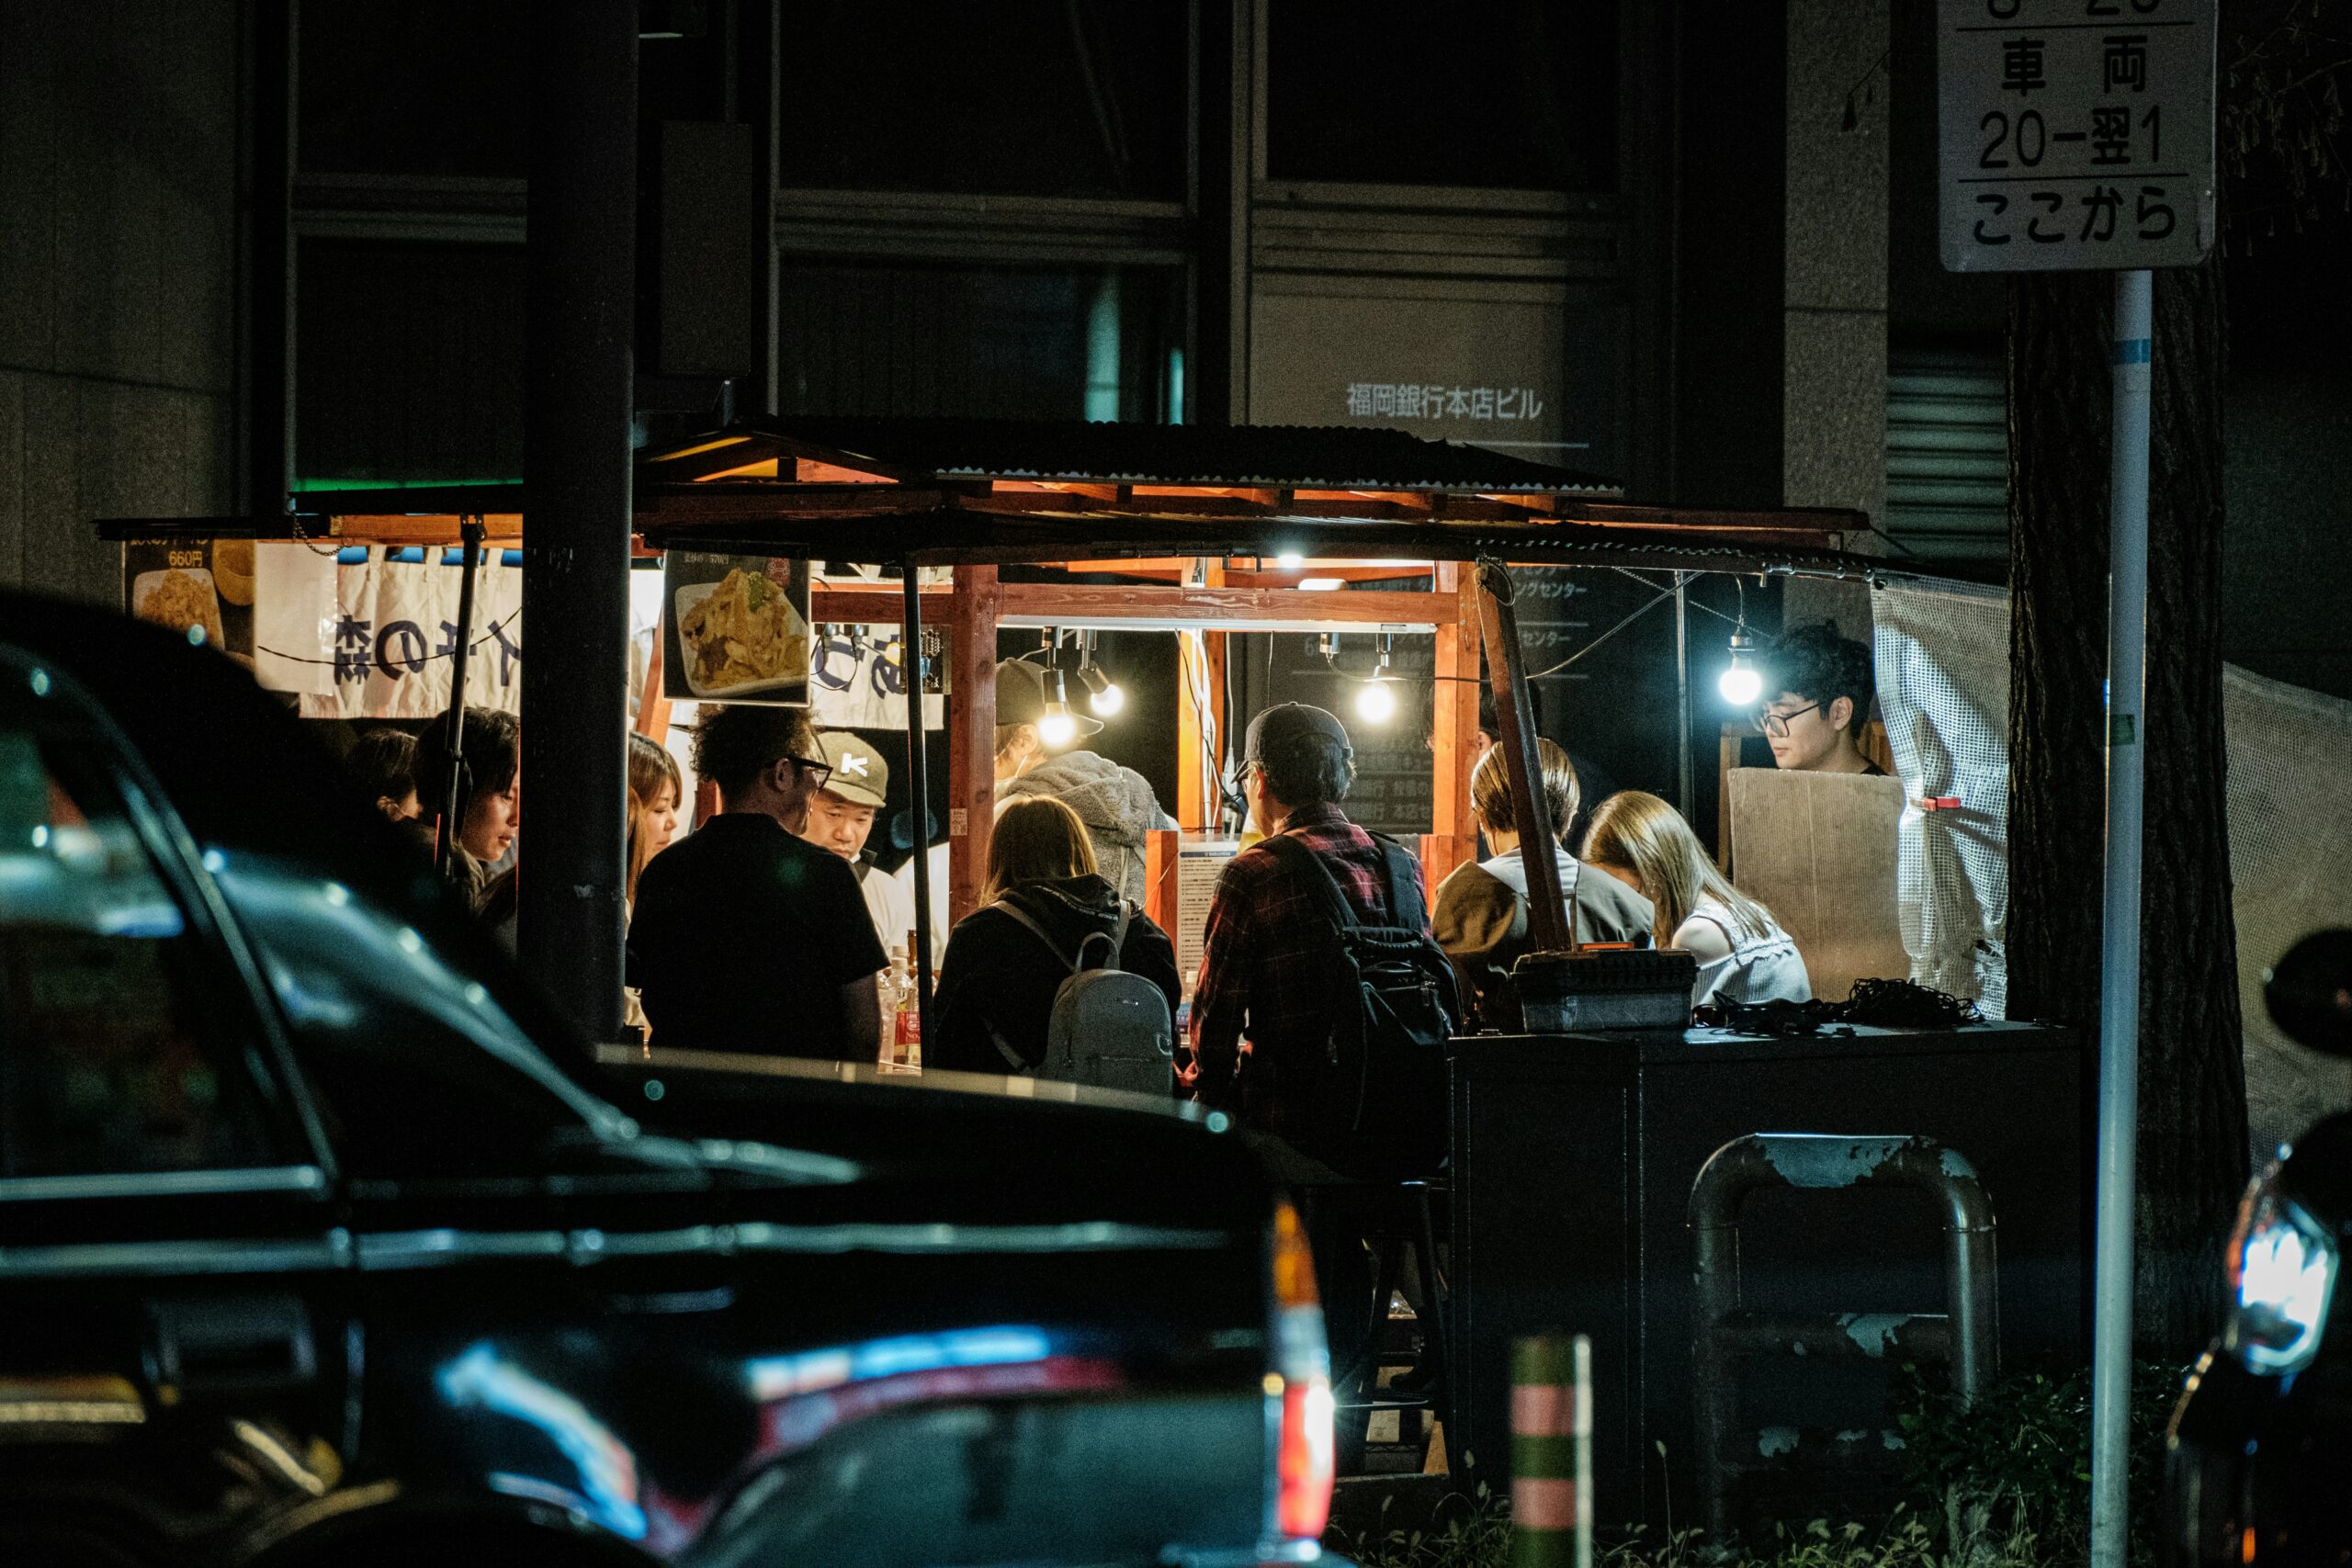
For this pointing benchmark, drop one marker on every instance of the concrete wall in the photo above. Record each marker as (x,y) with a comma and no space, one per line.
(118,269)
(1834,416)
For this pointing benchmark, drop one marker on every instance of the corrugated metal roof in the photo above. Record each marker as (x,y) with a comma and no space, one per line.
(1073,451)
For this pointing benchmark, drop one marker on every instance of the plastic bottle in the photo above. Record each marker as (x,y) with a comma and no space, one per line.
(896,987)
(906,1029)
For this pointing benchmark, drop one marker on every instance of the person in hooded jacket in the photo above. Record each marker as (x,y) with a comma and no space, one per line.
(997,982)
(1482,919)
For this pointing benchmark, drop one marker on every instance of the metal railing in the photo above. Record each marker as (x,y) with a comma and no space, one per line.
(1966,1335)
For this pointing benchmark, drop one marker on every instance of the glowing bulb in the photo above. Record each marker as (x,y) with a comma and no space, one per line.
(1290,560)
(1376,703)
(1743,683)
(1057,728)
(1108,701)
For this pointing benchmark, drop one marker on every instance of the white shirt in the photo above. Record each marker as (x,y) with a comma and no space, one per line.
(1765,968)
(904,879)
(892,905)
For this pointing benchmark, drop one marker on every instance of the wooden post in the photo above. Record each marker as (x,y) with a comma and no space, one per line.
(971,737)
(1454,731)
(1547,915)
(1197,797)
(652,702)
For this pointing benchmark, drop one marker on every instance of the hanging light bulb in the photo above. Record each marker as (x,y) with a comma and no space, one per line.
(1104,695)
(1057,728)
(1290,560)
(1742,684)
(1377,699)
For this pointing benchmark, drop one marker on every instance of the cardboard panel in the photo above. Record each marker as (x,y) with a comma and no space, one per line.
(1819,851)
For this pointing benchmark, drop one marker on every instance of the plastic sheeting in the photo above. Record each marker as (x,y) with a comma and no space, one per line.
(1942,654)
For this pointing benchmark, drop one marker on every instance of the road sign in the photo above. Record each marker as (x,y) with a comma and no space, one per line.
(2075,134)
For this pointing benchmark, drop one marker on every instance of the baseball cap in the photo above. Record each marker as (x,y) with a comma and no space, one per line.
(860,775)
(1021,692)
(1284,725)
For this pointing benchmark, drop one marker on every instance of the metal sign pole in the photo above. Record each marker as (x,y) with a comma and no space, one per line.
(2118,1039)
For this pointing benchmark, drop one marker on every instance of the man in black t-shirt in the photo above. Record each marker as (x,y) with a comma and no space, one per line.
(747,937)
(1824,687)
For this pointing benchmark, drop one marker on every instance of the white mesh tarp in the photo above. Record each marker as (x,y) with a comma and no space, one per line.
(1943,680)
(1942,655)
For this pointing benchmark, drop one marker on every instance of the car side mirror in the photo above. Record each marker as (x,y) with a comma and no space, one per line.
(2310,992)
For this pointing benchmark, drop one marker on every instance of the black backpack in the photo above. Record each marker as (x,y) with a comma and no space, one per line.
(1375,1103)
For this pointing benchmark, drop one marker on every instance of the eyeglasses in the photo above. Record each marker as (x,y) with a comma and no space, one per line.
(1238,787)
(1776,724)
(816,774)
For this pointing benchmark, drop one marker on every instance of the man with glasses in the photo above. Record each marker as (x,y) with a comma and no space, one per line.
(746,936)
(1824,688)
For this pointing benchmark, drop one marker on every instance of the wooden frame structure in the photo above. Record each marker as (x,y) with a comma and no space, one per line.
(1215,530)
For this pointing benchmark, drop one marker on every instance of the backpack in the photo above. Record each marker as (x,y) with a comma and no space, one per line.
(1108,1028)
(1377,1105)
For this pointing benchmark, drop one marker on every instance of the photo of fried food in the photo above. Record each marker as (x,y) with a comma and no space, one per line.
(179,600)
(232,570)
(743,631)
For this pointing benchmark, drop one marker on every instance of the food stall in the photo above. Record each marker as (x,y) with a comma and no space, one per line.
(1569,1162)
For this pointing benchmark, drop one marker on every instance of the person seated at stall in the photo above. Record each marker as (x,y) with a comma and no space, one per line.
(1115,803)
(998,982)
(841,819)
(1824,687)
(747,937)
(1482,915)
(489,808)
(385,760)
(1743,954)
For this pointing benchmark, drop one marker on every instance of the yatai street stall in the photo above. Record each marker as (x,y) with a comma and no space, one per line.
(1573,1153)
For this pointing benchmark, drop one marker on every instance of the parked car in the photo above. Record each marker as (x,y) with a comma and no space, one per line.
(2258,1467)
(316,1247)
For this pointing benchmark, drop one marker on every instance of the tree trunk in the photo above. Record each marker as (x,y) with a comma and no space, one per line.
(2192,1155)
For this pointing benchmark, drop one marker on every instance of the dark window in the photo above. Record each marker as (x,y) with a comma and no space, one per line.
(431,88)
(126,1038)
(981,343)
(1512,93)
(410,362)
(1019,98)
(418,1067)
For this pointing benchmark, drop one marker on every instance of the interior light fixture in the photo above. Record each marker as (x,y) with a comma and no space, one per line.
(1742,684)
(1057,728)
(1376,698)
(1290,560)
(1322,584)
(1104,695)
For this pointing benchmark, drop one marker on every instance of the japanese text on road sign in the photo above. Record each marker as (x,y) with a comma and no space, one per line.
(2075,134)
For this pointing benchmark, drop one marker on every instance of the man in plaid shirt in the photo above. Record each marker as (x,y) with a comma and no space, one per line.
(1266,961)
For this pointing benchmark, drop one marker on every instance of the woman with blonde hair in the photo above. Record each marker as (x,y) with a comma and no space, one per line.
(654,789)
(1743,954)
(1043,899)
(1481,919)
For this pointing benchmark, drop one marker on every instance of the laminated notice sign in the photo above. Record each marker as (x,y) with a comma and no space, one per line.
(1818,849)
(1199,864)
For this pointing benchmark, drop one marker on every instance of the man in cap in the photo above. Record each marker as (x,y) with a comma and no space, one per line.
(1266,953)
(841,819)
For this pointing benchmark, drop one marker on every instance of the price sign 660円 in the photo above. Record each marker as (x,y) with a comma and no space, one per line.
(2075,134)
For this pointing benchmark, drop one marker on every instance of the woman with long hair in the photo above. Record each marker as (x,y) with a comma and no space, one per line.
(655,791)
(1044,890)
(1743,954)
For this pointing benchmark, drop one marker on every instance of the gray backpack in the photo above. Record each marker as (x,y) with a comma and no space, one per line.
(1108,1028)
